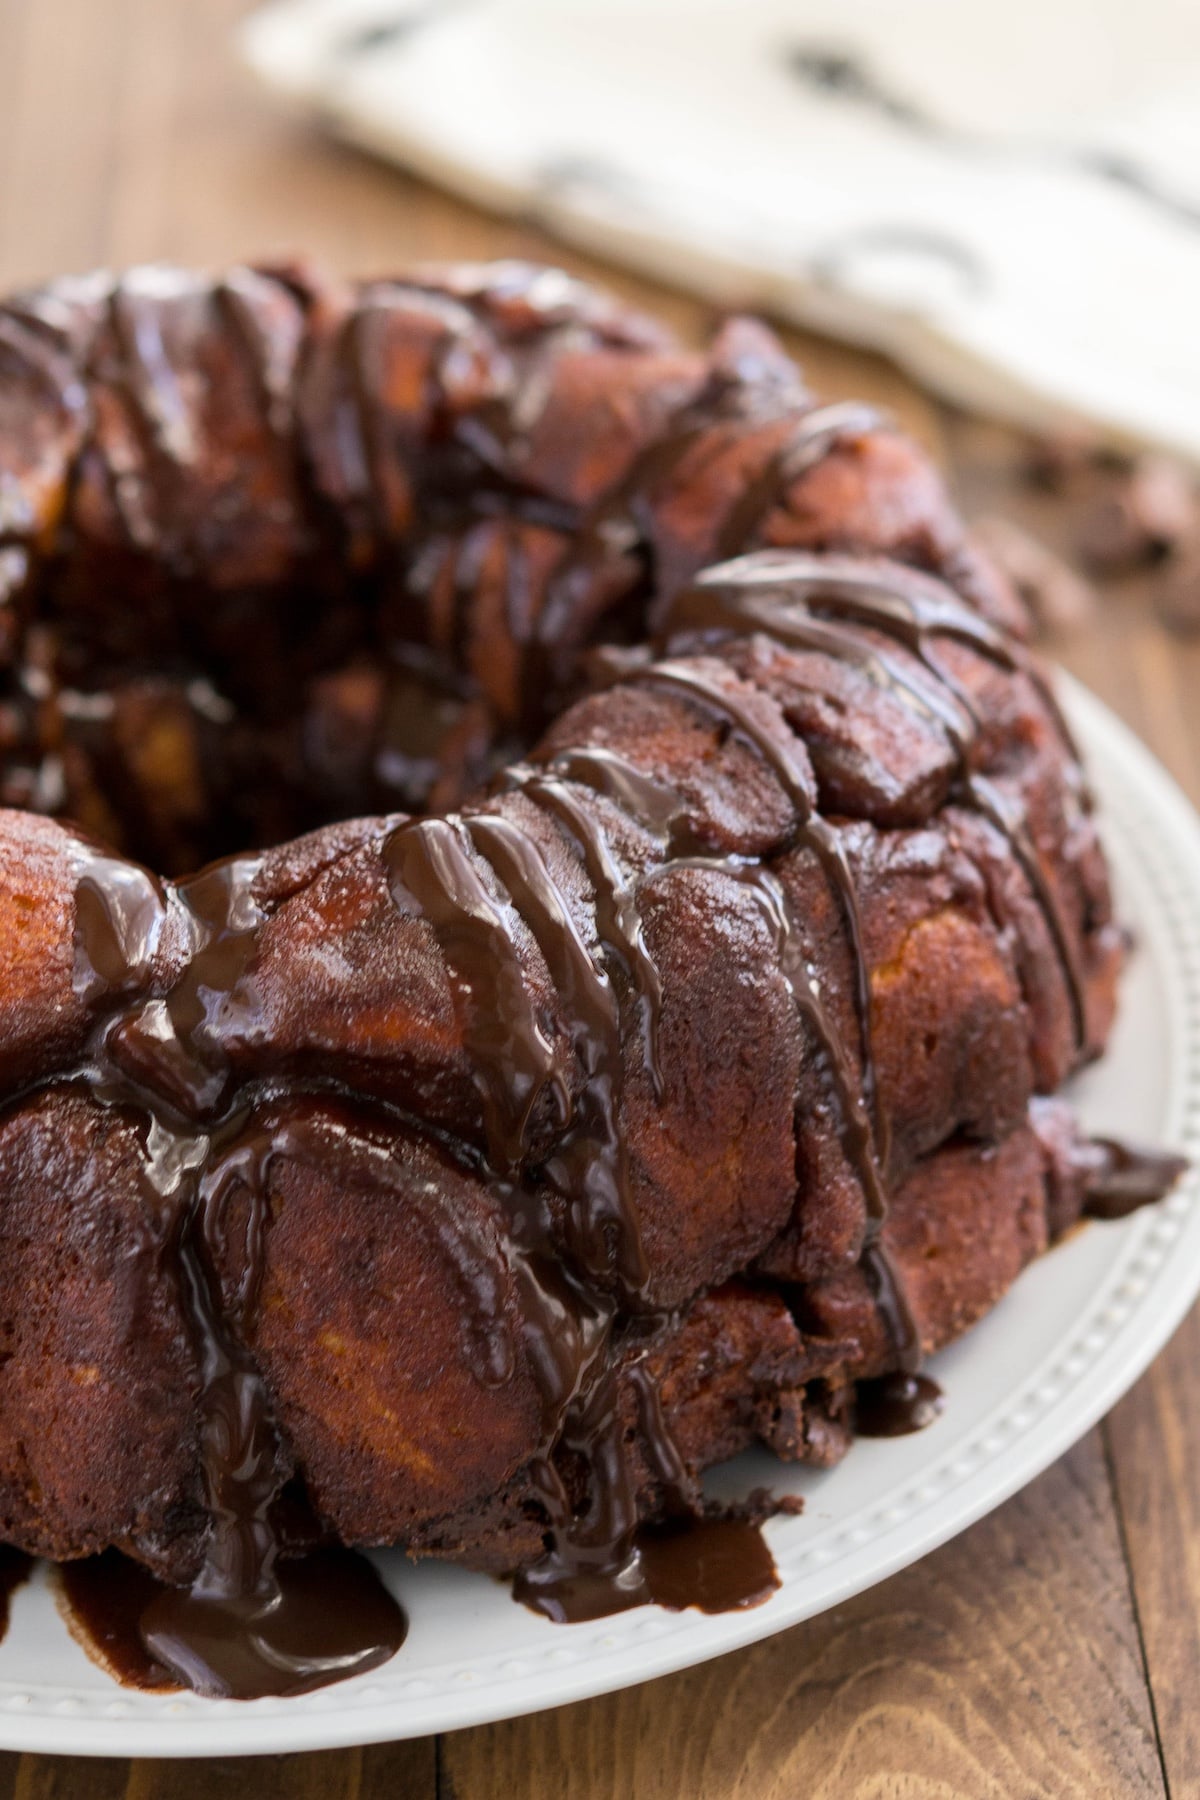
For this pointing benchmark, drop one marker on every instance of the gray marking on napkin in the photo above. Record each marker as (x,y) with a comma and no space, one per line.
(841,74)
(391,29)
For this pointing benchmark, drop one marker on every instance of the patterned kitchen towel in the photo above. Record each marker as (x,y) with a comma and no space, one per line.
(1006,197)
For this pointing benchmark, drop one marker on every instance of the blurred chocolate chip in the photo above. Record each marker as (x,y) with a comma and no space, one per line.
(1059,599)
(1142,519)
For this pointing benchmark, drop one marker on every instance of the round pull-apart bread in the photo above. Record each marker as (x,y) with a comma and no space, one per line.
(470,1179)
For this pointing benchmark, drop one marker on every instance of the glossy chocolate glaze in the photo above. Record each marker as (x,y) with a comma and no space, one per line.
(806,601)
(169,973)
(604,1268)
(1124,1176)
(895,1405)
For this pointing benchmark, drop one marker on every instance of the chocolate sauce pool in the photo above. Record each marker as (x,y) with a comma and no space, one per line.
(102,1600)
(714,1565)
(321,1618)
(895,1405)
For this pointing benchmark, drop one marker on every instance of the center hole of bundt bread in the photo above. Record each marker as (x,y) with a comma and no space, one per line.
(199,725)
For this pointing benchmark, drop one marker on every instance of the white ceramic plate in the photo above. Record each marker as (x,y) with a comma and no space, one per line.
(1076,1331)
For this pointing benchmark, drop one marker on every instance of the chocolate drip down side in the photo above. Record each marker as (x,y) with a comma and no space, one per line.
(250,1624)
(576,1302)
(806,601)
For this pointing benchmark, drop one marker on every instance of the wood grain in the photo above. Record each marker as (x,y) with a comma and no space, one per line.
(1154,1436)
(1052,1650)
(380,1772)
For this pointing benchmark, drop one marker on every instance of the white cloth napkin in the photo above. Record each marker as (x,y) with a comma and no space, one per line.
(1004,196)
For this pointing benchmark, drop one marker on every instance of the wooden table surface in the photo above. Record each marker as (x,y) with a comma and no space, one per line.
(1053,1649)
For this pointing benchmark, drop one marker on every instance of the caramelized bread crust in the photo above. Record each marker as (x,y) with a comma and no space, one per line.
(694,1069)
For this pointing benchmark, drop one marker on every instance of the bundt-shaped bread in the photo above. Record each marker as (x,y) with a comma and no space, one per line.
(477,1177)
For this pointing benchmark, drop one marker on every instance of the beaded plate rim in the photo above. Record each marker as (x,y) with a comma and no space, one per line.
(1151,1277)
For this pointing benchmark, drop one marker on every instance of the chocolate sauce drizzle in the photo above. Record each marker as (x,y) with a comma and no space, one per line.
(623,522)
(251,1624)
(548,1055)
(592,1562)
(595,1560)
(806,601)
(815,435)
(1122,1177)
(163,1054)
